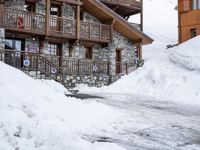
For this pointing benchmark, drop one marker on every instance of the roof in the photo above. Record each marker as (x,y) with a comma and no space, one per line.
(102,12)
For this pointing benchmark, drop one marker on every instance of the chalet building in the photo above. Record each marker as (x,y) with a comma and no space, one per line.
(72,41)
(189,19)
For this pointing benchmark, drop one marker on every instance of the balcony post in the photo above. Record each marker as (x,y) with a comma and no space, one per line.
(1,11)
(108,68)
(48,5)
(141,16)
(78,67)
(78,22)
(111,30)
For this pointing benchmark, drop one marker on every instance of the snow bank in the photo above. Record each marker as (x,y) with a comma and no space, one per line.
(187,54)
(35,115)
(162,80)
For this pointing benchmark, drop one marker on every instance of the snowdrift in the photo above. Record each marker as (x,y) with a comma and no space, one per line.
(162,79)
(36,115)
(187,54)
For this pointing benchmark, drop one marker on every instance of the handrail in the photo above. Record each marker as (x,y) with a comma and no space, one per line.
(36,62)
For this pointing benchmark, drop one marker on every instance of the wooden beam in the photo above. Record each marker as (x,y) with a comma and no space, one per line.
(78,2)
(78,22)
(48,7)
(141,16)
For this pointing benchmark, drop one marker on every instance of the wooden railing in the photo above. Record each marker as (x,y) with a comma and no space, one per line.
(18,20)
(28,61)
(129,3)
(44,64)
(125,68)
(62,26)
(85,67)
(22,21)
(95,31)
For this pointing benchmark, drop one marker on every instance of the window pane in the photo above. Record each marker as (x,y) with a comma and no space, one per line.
(194,4)
(198,4)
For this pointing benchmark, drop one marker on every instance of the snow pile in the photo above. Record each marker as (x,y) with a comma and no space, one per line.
(161,78)
(34,116)
(187,54)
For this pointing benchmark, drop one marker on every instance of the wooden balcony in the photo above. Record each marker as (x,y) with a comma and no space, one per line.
(89,31)
(26,22)
(95,32)
(124,7)
(22,21)
(62,27)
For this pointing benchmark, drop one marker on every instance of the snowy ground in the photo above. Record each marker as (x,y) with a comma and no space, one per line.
(155,108)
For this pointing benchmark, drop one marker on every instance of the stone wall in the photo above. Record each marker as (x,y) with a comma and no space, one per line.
(127,50)
(90,80)
(15,4)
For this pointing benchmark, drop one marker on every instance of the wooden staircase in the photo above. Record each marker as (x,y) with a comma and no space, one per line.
(33,64)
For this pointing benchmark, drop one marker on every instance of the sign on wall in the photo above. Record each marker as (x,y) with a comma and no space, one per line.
(32,47)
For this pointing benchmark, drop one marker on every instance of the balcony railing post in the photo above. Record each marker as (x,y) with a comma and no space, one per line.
(108,68)
(127,68)
(89,29)
(78,65)
(100,30)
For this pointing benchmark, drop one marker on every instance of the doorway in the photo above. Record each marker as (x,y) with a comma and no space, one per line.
(14,56)
(118,61)
(54,52)
(88,52)
(55,12)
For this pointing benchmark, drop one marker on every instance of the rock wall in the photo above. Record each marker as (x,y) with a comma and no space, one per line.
(90,80)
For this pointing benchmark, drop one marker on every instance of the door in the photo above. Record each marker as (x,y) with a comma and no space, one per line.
(55,53)
(118,61)
(88,52)
(14,56)
(55,21)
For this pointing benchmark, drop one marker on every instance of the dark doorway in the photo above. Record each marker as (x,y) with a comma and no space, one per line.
(118,61)
(15,54)
(30,7)
(55,21)
(88,53)
(193,33)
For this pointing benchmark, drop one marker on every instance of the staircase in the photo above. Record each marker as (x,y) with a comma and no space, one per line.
(33,64)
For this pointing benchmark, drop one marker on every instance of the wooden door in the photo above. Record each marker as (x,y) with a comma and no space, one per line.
(55,53)
(118,61)
(88,52)
(55,21)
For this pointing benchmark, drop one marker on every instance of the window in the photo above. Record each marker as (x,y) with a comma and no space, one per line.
(198,4)
(88,52)
(193,33)
(194,4)
(30,7)
(52,49)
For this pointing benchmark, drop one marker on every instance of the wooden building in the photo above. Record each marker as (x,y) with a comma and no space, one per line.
(72,41)
(189,19)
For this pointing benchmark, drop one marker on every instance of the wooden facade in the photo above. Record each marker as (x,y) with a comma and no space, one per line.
(72,36)
(188,16)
